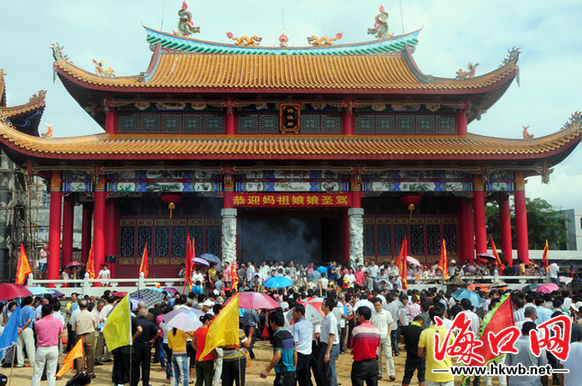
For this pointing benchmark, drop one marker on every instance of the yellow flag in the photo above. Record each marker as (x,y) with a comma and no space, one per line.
(224,329)
(76,352)
(117,330)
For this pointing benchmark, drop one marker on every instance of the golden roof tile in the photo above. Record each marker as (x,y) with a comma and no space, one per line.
(125,146)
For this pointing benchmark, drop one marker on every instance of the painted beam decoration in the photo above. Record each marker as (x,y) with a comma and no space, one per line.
(290,200)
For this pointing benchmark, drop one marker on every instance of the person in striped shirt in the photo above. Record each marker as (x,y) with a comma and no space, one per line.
(365,342)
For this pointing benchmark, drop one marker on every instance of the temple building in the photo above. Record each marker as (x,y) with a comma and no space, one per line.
(326,152)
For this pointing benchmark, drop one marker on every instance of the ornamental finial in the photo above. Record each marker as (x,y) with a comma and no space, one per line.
(101,71)
(512,57)
(283,40)
(59,53)
(380,25)
(185,24)
(49,132)
(574,118)
(462,75)
(323,41)
(526,134)
(245,41)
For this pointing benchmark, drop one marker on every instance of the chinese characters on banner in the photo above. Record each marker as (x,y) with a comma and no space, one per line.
(553,335)
(294,200)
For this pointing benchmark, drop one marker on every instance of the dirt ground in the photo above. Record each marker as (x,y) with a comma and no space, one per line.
(263,352)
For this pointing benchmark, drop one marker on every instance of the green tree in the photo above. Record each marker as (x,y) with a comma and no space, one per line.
(543,222)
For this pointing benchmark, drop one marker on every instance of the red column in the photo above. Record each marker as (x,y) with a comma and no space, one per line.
(521,218)
(462,123)
(68,220)
(55,228)
(505,226)
(480,219)
(111,121)
(112,232)
(230,122)
(99,223)
(86,232)
(348,119)
(466,237)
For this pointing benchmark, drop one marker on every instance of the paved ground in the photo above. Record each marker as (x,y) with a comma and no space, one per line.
(263,352)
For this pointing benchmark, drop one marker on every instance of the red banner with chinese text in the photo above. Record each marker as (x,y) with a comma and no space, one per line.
(294,200)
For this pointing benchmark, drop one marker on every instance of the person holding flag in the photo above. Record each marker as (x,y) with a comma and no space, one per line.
(49,330)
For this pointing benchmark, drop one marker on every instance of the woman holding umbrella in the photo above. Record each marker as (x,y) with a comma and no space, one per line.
(204,365)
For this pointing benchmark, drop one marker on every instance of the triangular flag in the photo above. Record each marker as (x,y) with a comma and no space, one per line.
(498,262)
(545,256)
(91,263)
(144,267)
(76,352)
(23,268)
(224,329)
(401,264)
(117,330)
(10,334)
(443,263)
(188,271)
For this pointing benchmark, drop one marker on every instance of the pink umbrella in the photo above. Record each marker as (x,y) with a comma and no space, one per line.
(256,300)
(547,288)
(170,290)
(313,311)
(412,260)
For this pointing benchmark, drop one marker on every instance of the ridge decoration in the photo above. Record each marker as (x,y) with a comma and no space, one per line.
(185,24)
(575,118)
(323,41)
(380,29)
(512,56)
(101,71)
(526,134)
(59,53)
(245,41)
(462,75)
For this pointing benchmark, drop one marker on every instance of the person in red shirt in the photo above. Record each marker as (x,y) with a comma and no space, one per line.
(204,365)
(365,342)
(48,330)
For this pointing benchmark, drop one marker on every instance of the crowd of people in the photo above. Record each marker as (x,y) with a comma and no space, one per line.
(364,311)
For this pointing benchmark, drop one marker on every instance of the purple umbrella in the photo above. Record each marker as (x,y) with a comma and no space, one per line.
(200,261)
(170,290)
(135,302)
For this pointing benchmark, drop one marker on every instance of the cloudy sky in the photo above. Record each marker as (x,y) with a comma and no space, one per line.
(454,34)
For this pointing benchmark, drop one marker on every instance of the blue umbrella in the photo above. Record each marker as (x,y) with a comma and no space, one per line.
(37,291)
(464,293)
(210,257)
(278,282)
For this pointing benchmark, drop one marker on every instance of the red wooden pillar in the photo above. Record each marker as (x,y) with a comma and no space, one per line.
(521,218)
(230,118)
(68,222)
(480,218)
(112,232)
(86,232)
(55,228)
(348,121)
(111,121)
(505,227)
(462,122)
(99,223)
(465,231)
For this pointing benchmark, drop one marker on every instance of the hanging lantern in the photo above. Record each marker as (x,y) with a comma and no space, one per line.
(411,199)
(171,199)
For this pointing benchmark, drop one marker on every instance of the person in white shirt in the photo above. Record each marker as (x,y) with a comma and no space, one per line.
(382,319)
(373,270)
(475,323)
(350,277)
(329,338)
(104,274)
(553,269)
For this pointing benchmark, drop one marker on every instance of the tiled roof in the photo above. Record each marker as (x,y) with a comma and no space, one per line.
(35,103)
(375,73)
(117,146)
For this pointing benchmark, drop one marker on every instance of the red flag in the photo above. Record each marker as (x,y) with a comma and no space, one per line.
(91,263)
(545,256)
(234,276)
(188,265)
(443,263)
(23,269)
(401,264)
(494,250)
(144,262)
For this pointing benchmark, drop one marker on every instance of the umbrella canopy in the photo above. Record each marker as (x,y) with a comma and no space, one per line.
(464,293)
(150,296)
(278,282)
(313,312)
(55,294)
(120,294)
(547,288)
(210,257)
(170,290)
(11,291)
(412,260)
(529,287)
(256,300)
(134,302)
(364,303)
(498,284)
(486,256)
(184,319)
(198,260)
(37,291)
(74,264)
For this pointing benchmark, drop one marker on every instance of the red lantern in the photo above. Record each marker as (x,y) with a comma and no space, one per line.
(171,199)
(411,199)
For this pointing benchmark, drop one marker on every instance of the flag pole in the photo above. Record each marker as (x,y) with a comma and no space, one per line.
(12,367)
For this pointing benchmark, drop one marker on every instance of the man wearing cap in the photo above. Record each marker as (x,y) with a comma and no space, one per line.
(452,268)
(206,307)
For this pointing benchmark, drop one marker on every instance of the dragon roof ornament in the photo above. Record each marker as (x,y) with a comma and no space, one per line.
(470,74)
(245,41)
(574,119)
(323,41)
(380,29)
(59,53)
(185,24)
(512,56)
